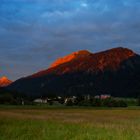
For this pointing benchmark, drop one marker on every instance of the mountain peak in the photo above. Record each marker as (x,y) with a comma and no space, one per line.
(114,56)
(4,78)
(86,61)
(70,57)
(4,81)
(82,52)
(121,50)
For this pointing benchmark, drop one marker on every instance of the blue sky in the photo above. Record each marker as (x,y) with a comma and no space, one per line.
(33,33)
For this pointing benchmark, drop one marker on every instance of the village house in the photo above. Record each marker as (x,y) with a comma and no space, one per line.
(41,101)
(103,96)
(73,99)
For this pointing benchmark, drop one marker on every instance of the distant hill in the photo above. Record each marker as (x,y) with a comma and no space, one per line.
(4,81)
(115,72)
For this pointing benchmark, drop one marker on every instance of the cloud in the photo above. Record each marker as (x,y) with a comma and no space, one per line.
(33,33)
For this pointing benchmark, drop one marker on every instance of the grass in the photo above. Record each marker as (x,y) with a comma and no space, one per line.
(32,123)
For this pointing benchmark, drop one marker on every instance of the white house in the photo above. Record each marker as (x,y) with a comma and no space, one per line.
(43,101)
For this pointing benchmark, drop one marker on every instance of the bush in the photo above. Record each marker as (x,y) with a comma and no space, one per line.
(109,102)
(84,103)
(7,99)
(122,103)
(96,102)
(139,101)
(69,103)
(50,102)
(61,101)
(114,103)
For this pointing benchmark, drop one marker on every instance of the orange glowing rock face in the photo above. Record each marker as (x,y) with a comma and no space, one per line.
(84,61)
(69,58)
(89,62)
(4,81)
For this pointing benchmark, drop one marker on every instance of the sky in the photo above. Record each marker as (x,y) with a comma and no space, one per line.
(34,33)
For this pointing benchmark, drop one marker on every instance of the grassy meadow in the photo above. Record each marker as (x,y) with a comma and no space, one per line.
(38,123)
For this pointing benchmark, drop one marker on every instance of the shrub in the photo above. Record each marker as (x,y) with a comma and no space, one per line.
(84,103)
(69,103)
(7,99)
(122,103)
(50,102)
(96,102)
(138,101)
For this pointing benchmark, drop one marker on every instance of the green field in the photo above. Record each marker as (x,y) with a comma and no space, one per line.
(38,123)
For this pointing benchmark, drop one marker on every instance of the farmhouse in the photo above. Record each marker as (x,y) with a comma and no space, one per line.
(39,100)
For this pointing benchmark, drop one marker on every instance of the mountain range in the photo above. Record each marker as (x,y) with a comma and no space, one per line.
(115,72)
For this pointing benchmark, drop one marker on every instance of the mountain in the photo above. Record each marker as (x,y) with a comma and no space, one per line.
(4,81)
(115,71)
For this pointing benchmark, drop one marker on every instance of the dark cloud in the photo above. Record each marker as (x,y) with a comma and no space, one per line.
(33,33)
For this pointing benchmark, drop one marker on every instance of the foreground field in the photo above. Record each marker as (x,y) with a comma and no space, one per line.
(69,124)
